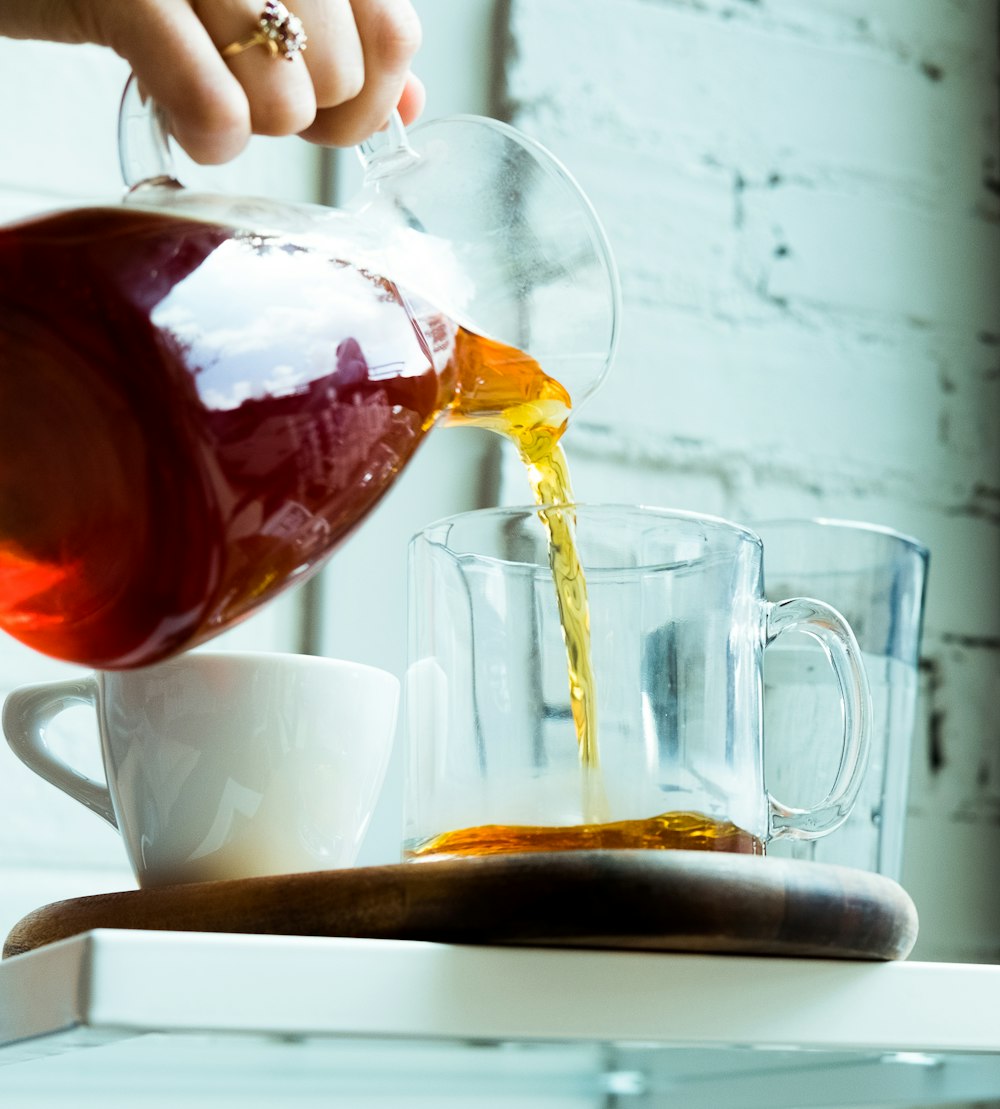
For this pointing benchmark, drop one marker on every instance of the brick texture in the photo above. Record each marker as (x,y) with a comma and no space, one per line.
(804,203)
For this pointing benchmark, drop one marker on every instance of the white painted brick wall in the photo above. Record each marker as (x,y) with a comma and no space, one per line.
(804,202)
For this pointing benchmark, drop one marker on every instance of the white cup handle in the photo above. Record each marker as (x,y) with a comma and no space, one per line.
(27,713)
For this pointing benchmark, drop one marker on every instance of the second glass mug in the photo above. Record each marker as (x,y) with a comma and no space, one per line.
(678,628)
(201,395)
(876,578)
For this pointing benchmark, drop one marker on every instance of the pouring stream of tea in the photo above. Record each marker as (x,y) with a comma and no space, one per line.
(505,390)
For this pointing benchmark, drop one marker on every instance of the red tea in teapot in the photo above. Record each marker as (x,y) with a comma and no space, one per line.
(192,416)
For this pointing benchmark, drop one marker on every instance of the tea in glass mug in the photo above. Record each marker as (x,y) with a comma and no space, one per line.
(654,633)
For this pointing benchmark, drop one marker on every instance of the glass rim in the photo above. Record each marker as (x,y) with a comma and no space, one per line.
(437,533)
(843,525)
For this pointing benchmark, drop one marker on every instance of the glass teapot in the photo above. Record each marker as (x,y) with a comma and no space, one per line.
(201,396)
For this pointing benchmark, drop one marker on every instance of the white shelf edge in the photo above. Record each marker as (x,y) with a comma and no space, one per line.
(115,983)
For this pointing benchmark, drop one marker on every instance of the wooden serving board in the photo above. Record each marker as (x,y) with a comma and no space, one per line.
(630,900)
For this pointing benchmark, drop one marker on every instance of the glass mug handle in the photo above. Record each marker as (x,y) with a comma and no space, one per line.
(834,635)
(27,713)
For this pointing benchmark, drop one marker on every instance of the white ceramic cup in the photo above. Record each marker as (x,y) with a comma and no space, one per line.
(224,765)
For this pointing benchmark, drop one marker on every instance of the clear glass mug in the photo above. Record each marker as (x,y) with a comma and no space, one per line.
(876,578)
(678,627)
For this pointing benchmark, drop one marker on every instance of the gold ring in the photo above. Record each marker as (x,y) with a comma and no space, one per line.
(277,30)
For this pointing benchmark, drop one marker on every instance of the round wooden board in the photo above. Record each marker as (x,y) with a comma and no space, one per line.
(629,900)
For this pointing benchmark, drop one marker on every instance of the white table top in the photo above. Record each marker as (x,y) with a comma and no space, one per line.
(371,1012)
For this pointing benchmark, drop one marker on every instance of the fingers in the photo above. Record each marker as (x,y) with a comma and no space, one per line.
(169,50)
(279,89)
(339,91)
(411,103)
(353,72)
(389,32)
(335,56)
(48,20)
(178,64)
(343,86)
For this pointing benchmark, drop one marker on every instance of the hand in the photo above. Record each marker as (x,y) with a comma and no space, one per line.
(338,91)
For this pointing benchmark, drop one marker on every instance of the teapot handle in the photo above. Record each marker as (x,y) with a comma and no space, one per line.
(144,143)
(143,138)
(387,152)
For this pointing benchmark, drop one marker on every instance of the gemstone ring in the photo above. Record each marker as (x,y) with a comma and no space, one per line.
(277,30)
